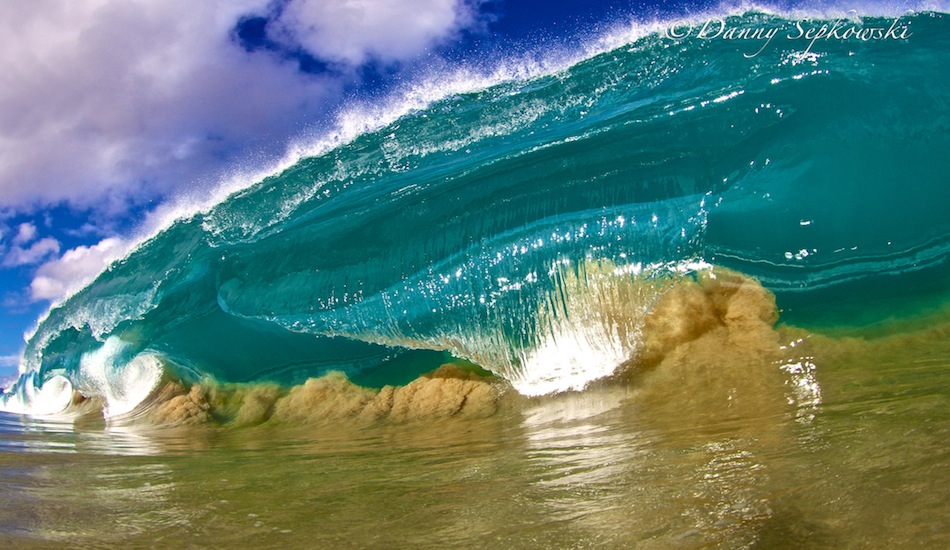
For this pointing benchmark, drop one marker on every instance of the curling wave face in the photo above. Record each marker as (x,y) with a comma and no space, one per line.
(530,227)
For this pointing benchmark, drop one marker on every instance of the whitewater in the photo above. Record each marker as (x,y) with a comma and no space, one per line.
(529,221)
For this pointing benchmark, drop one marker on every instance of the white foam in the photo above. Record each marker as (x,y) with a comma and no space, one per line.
(123,386)
(50,398)
(102,373)
(569,360)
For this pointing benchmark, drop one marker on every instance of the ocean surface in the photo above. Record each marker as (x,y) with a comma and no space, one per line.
(688,288)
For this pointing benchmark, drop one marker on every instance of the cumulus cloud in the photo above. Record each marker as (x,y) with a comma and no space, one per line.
(352,31)
(111,98)
(55,279)
(26,232)
(105,99)
(20,254)
(33,254)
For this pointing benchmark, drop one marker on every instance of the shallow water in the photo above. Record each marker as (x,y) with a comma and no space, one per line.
(853,454)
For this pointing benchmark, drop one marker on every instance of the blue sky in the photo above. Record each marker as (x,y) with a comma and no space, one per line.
(115,113)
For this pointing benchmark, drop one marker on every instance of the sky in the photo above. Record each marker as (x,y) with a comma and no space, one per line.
(116,113)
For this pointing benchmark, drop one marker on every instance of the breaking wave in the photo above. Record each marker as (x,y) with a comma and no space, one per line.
(532,226)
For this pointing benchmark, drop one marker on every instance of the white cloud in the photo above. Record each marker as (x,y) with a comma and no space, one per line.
(54,280)
(351,31)
(36,253)
(102,100)
(87,229)
(8,362)
(26,232)
(19,254)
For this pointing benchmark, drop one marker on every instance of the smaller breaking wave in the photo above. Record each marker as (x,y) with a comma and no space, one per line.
(713,329)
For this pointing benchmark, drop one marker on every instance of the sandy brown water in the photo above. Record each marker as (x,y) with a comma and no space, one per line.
(858,459)
(726,433)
